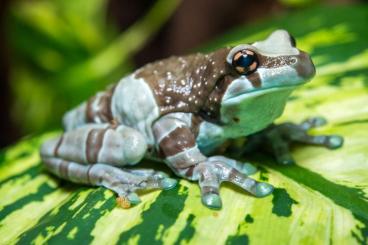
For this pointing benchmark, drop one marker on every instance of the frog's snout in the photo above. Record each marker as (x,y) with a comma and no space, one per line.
(304,66)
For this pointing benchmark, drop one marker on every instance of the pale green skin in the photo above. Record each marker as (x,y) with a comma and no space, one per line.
(256,111)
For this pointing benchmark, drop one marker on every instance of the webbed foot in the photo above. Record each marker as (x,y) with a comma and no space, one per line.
(278,138)
(126,182)
(211,173)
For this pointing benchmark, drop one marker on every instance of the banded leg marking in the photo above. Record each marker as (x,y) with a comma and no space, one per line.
(71,171)
(98,109)
(95,143)
(184,157)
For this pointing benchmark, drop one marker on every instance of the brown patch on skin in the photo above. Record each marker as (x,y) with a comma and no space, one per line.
(196,123)
(209,190)
(182,84)
(211,109)
(234,174)
(63,169)
(94,143)
(56,150)
(177,141)
(103,112)
(89,111)
(189,172)
(274,62)
(255,79)
(104,104)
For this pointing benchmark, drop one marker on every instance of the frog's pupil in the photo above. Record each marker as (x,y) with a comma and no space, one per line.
(245,60)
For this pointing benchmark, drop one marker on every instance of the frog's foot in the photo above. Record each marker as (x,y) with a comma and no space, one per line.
(210,174)
(126,182)
(279,138)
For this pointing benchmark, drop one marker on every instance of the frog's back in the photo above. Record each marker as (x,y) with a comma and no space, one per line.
(183,84)
(175,84)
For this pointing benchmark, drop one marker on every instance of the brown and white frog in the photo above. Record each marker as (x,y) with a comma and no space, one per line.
(180,110)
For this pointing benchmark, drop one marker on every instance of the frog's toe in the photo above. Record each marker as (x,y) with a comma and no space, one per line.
(212,200)
(248,169)
(334,141)
(285,159)
(133,198)
(168,183)
(313,122)
(258,189)
(263,189)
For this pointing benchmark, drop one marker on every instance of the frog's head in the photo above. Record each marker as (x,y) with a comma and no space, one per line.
(266,73)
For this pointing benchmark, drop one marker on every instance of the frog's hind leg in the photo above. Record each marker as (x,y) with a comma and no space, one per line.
(279,137)
(86,155)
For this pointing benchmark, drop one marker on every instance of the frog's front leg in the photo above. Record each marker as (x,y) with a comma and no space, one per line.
(177,144)
(277,138)
(88,154)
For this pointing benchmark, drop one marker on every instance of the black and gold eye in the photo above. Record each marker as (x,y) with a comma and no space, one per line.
(245,62)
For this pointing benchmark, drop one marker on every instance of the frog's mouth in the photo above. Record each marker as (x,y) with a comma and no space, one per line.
(256,93)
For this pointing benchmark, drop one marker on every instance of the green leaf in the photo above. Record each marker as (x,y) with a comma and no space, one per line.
(323,199)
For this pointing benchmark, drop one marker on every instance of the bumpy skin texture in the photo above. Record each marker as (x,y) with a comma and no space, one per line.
(179,110)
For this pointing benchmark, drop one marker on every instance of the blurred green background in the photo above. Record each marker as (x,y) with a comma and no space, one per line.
(56,53)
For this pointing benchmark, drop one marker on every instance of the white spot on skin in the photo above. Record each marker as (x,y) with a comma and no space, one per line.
(181,104)
(168,75)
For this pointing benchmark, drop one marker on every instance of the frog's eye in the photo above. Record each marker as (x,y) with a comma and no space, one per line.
(245,62)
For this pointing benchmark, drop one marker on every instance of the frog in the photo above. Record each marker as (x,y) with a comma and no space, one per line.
(179,111)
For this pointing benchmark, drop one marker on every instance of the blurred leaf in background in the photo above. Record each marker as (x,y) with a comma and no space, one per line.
(64,51)
(298,3)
